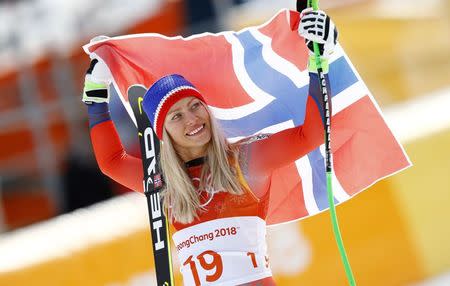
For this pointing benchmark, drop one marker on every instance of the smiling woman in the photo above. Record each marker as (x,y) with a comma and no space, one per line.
(213,188)
(190,134)
(216,193)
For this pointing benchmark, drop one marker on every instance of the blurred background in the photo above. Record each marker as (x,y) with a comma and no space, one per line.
(63,223)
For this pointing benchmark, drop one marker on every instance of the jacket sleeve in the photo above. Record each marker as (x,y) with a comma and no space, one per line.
(112,158)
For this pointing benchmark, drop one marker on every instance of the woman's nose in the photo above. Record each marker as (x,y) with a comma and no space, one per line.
(190,118)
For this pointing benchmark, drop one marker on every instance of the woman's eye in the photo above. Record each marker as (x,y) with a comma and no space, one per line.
(195,105)
(176,116)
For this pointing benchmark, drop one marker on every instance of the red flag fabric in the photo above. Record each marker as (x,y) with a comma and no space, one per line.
(255,81)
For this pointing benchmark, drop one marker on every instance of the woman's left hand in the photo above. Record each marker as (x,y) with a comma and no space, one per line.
(317,26)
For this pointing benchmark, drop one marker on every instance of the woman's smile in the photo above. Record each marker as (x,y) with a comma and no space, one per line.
(196,131)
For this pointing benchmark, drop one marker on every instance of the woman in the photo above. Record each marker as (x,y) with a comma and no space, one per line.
(216,192)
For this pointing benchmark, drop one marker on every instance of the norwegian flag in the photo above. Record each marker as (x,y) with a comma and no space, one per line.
(256,81)
(157,181)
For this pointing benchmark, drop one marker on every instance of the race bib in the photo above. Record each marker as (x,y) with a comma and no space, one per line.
(227,251)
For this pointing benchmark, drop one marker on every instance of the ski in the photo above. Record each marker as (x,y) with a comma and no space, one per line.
(153,183)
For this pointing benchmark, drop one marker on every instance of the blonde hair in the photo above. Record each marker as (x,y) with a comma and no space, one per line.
(180,196)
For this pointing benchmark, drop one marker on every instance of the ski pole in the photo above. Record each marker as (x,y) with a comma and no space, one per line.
(328,156)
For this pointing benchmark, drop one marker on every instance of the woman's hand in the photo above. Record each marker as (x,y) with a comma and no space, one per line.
(317,26)
(97,80)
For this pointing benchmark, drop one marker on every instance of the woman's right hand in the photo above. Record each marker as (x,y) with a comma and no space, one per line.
(97,80)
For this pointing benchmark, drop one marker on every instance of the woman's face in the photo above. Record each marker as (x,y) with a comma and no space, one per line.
(188,124)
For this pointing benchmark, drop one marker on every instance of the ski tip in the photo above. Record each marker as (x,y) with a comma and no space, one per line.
(137,90)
